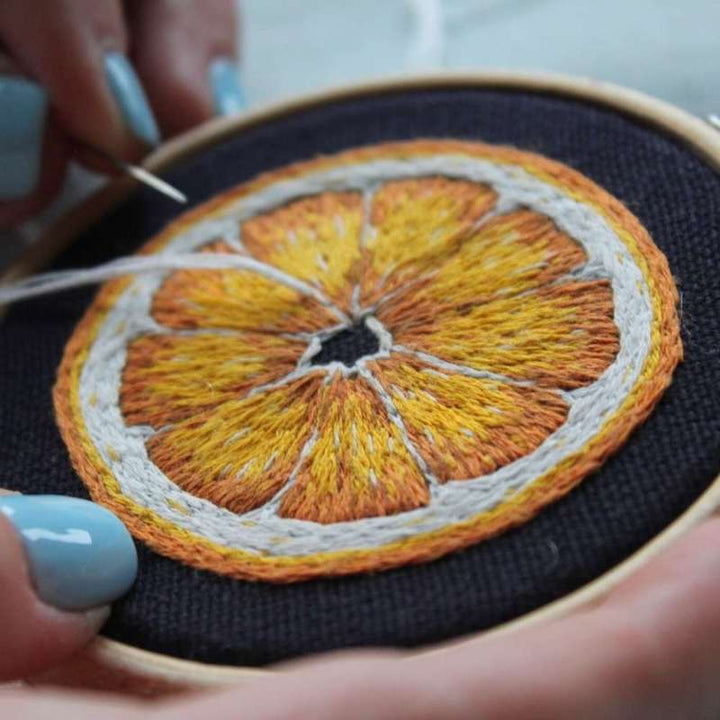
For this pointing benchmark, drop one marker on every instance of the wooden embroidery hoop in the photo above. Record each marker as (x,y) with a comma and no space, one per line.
(112,665)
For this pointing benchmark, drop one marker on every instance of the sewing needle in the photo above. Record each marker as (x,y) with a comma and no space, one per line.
(153,181)
(143,176)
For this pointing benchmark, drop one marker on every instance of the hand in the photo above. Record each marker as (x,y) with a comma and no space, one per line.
(109,74)
(649,651)
(62,561)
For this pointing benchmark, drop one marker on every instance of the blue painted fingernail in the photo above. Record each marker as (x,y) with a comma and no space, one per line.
(131,99)
(23,109)
(79,554)
(227,94)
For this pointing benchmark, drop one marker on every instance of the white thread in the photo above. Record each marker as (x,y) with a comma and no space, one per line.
(456,369)
(397,420)
(385,339)
(453,502)
(272,507)
(52,282)
(296,374)
(315,342)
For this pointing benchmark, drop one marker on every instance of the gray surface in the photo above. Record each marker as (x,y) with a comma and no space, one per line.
(667,48)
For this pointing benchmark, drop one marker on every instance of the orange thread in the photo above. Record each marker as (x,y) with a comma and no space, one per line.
(244,441)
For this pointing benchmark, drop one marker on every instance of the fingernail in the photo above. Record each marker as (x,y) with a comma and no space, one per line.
(130,97)
(23,109)
(79,554)
(227,94)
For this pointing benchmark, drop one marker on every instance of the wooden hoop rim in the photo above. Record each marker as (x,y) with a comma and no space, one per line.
(112,665)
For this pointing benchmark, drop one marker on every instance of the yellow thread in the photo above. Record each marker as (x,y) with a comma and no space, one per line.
(505,334)
(240,454)
(315,239)
(507,256)
(471,419)
(180,543)
(352,471)
(168,378)
(416,222)
(228,299)
(175,505)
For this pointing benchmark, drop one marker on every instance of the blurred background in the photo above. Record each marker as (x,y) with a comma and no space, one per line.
(667,48)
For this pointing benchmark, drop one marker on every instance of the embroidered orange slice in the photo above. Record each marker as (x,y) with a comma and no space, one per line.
(434,340)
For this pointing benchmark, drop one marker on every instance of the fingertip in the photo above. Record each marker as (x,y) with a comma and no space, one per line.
(23,113)
(227,91)
(130,98)
(49,151)
(34,635)
(682,566)
(57,635)
(76,52)
(79,554)
(62,560)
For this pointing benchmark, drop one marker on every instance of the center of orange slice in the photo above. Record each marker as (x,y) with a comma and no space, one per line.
(348,345)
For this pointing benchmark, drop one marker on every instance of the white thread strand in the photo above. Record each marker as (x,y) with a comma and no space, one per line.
(52,282)
(397,420)
(272,507)
(455,369)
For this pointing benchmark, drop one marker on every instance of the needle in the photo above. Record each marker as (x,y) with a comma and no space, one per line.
(153,181)
(143,176)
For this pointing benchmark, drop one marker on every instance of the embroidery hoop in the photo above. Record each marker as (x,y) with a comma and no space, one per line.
(109,664)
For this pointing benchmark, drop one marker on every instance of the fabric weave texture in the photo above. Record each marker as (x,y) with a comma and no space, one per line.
(665,466)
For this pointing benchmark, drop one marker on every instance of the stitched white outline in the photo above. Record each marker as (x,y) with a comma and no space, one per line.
(454,501)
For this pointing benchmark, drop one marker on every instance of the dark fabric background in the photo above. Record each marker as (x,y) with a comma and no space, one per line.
(666,465)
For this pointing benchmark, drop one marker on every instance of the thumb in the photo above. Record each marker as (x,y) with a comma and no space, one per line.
(62,560)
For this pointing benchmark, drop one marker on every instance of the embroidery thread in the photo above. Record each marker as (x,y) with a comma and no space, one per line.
(434,340)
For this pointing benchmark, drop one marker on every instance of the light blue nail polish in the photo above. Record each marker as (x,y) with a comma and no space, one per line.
(227,94)
(130,97)
(79,554)
(23,109)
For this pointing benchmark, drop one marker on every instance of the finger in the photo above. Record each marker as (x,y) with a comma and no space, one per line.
(651,651)
(62,560)
(75,50)
(33,154)
(185,53)
(41,705)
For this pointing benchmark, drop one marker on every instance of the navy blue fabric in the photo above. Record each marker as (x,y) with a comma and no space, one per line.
(347,346)
(658,474)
